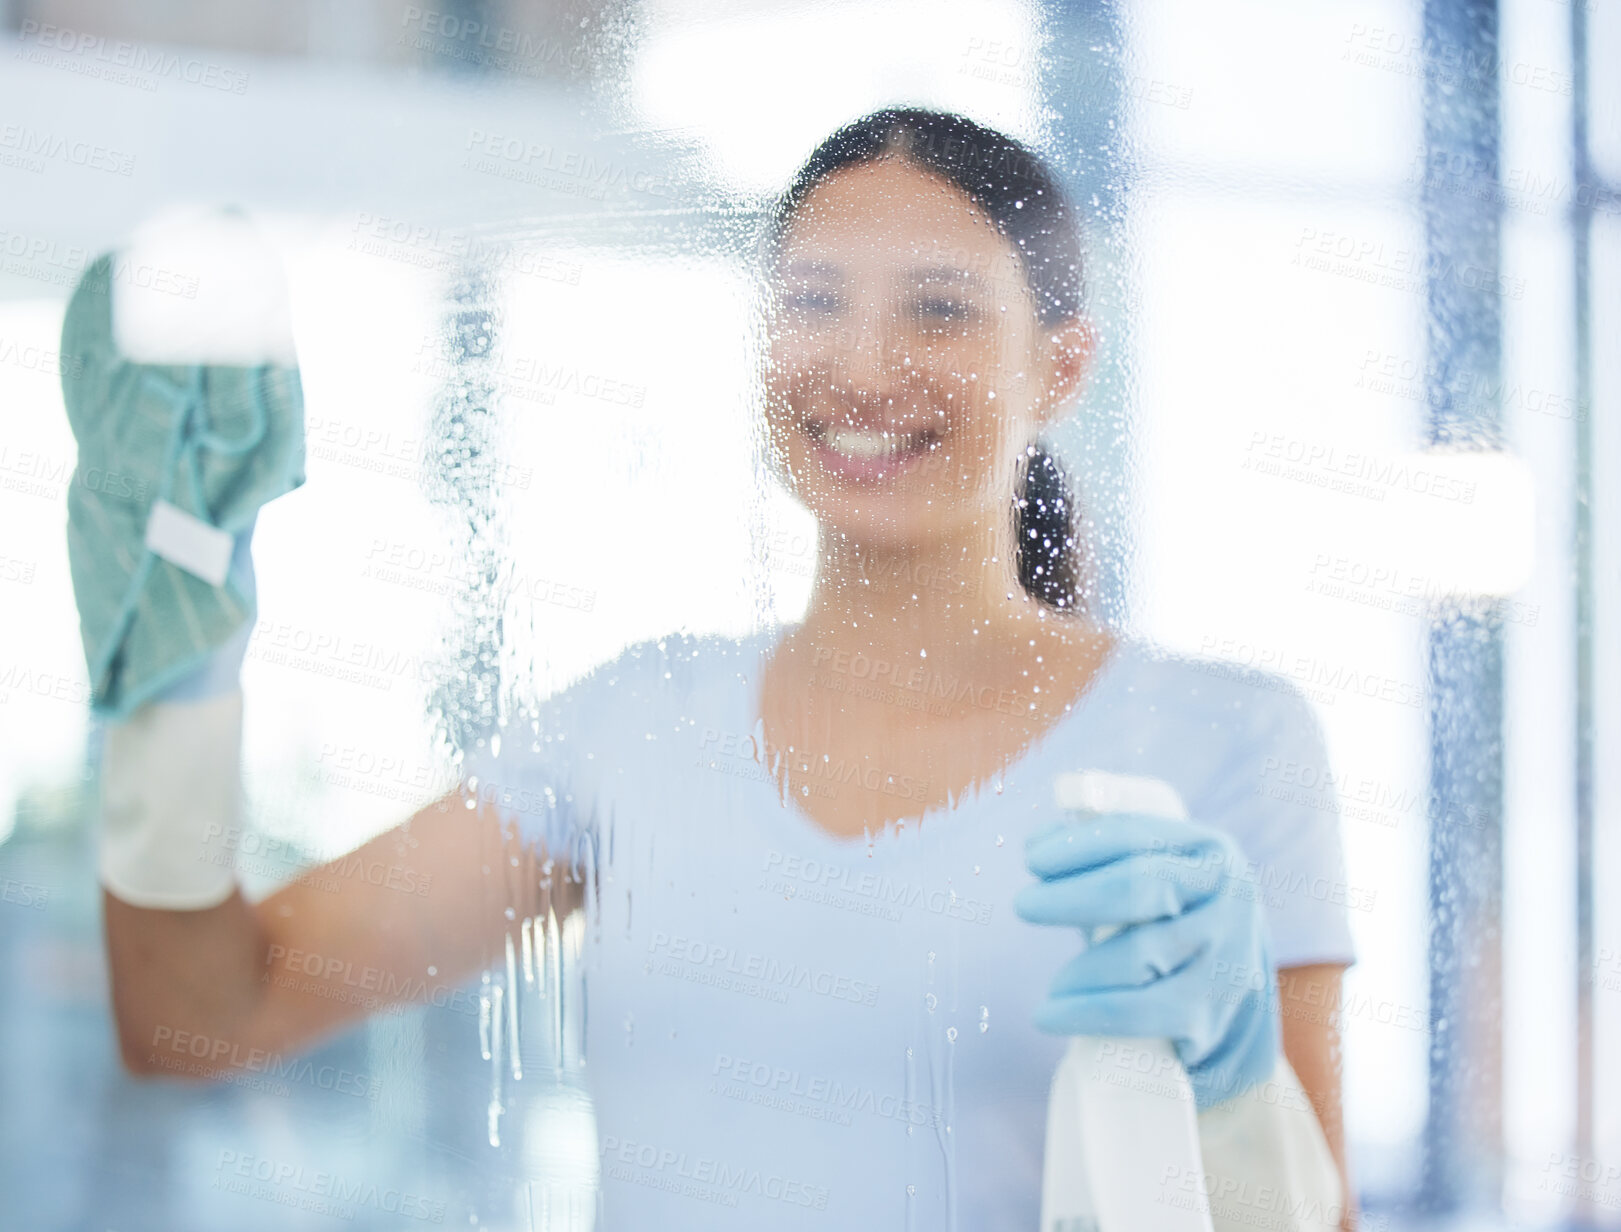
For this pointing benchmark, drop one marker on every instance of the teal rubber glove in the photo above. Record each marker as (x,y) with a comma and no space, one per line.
(217,442)
(1190,960)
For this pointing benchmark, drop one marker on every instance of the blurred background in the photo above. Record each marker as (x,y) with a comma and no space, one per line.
(1355,267)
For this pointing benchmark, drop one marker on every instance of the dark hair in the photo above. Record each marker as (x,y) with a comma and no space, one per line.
(1024,200)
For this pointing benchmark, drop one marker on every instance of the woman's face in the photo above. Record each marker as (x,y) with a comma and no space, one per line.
(906,370)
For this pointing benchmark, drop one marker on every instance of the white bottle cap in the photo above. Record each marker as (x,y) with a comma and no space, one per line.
(1098,791)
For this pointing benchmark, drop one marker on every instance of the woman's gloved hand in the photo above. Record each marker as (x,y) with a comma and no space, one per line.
(1185,952)
(220,672)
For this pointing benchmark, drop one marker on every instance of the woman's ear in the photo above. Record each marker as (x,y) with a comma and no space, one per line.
(1067,363)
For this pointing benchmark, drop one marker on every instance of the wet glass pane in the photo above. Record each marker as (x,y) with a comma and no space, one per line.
(983,616)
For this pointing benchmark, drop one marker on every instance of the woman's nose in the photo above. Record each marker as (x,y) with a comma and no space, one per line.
(868,359)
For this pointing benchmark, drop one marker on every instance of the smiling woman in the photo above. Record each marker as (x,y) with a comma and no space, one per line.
(800,855)
(917,320)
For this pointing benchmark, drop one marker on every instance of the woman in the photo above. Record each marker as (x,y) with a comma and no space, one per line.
(825,987)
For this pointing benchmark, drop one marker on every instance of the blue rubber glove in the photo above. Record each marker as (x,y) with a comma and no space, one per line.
(221,671)
(1190,961)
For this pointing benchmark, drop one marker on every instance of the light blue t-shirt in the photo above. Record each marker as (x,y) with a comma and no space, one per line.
(792,1030)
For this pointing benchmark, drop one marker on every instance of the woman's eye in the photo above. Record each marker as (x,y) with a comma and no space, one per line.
(942,310)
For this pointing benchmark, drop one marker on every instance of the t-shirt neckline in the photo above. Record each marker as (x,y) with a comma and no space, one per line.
(769,639)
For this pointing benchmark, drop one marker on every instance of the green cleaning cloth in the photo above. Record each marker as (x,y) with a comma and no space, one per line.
(215,443)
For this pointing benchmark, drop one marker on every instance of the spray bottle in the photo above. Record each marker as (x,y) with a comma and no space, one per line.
(1121,1117)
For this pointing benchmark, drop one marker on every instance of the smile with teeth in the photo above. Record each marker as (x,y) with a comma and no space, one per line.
(867,445)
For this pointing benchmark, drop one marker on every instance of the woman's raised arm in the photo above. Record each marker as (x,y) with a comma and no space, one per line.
(405,918)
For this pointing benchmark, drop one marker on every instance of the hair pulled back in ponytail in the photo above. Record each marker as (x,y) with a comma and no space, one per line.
(1025,201)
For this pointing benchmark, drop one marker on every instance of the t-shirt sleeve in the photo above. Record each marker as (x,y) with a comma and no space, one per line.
(525,770)
(1291,839)
(540,770)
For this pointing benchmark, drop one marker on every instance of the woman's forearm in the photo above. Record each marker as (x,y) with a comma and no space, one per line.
(1309,1002)
(405,917)
(185,984)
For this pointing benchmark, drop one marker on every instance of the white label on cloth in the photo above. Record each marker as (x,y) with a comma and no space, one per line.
(189,542)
